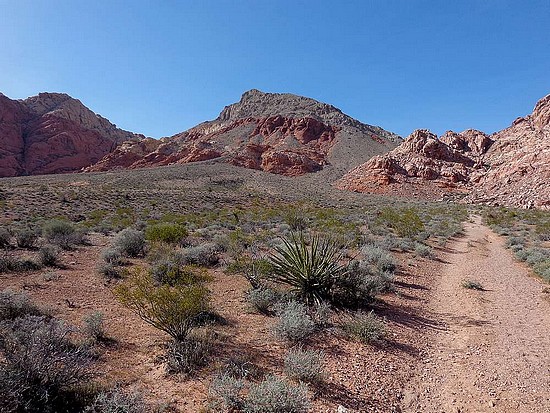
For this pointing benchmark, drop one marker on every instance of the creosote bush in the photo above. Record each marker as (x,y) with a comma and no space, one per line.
(171,233)
(130,242)
(172,309)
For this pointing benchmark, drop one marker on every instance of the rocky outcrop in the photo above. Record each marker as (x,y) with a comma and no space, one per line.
(278,133)
(53,133)
(510,167)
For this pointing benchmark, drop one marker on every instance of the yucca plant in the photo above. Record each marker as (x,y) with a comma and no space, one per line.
(310,270)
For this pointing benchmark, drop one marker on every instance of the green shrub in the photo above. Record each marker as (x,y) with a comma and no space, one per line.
(14,304)
(294,323)
(381,259)
(309,271)
(174,310)
(171,272)
(366,327)
(263,299)
(423,250)
(113,256)
(275,395)
(62,233)
(360,285)
(130,242)
(171,233)
(405,222)
(304,365)
(26,238)
(186,357)
(48,256)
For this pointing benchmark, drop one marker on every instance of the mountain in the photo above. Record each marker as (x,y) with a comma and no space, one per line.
(510,167)
(53,133)
(275,132)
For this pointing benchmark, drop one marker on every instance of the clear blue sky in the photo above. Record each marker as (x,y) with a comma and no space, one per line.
(160,67)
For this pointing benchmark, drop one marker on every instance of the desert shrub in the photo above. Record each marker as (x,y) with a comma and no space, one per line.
(172,309)
(26,237)
(511,241)
(109,271)
(378,257)
(62,233)
(5,237)
(170,269)
(309,271)
(472,285)
(16,304)
(48,256)
(263,299)
(294,323)
(204,255)
(8,264)
(112,256)
(117,401)
(171,233)
(187,356)
(130,242)
(94,326)
(360,285)
(405,222)
(423,250)
(366,327)
(276,395)
(304,365)
(41,365)
(225,393)
(241,366)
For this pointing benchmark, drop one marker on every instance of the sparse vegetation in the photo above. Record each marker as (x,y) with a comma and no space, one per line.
(366,327)
(171,233)
(304,365)
(62,233)
(130,242)
(472,285)
(276,395)
(294,323)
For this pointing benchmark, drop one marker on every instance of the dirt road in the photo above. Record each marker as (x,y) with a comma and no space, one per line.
(492,353)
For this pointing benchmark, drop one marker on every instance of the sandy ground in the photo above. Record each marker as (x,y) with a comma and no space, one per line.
(487,351)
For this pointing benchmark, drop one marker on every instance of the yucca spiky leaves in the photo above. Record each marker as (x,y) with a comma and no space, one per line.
(309,270)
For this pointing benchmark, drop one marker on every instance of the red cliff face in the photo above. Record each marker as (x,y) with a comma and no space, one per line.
(510,167)
(53,133)
(277,133)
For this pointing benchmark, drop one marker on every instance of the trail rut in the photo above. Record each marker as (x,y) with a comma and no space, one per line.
(492,351)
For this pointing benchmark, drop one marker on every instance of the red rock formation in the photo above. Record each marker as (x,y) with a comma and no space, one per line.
(53,133)
(278,133)
(510,167)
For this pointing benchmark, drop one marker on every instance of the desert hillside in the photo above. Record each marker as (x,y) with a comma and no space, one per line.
(279,133)
(510,167)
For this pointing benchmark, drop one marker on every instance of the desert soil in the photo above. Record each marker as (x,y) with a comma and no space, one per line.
(486,351)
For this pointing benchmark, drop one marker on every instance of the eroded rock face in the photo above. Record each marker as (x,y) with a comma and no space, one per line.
(510,167)
(53,133)
(278,133)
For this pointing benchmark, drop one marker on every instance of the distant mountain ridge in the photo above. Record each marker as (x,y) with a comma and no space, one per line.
(53,133)
(275,132)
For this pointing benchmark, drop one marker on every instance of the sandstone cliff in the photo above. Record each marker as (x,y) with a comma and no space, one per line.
(510,167)
(53,133)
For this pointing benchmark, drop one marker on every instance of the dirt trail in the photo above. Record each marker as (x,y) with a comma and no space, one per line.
(492,351)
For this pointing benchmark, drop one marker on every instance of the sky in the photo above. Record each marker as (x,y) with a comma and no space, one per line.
(161,67)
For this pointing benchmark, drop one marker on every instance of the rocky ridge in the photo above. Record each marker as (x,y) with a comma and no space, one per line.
(510,167)
(274,132)
(53,133)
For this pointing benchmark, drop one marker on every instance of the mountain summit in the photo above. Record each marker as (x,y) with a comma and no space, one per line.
(275,132)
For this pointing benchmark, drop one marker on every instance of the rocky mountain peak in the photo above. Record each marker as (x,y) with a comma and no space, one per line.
(541,113)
